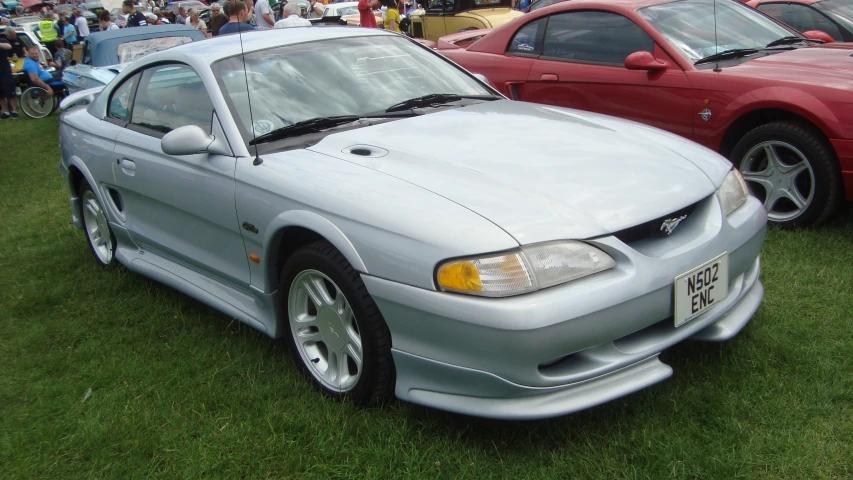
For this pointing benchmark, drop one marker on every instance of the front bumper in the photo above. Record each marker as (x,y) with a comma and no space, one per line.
(574,346)
(844,152)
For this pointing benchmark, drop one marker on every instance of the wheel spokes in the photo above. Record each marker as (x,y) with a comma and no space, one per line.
(325,331)
(781,166)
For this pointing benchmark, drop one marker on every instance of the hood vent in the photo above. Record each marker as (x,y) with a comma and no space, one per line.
(365,151)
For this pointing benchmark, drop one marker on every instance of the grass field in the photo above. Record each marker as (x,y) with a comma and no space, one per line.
(179,390)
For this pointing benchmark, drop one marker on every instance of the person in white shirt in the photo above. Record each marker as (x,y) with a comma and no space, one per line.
(291,12)
(80,24)
(263,15)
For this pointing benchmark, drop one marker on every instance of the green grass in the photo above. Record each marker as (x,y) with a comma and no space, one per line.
(179,390)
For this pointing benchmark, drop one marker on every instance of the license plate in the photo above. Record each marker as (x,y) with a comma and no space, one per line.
(701,288)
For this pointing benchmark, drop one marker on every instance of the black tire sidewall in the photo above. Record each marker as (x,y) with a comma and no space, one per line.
(366,316)
(820,156)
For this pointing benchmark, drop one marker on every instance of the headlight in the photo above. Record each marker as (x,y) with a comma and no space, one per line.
(732,193)
(530,268)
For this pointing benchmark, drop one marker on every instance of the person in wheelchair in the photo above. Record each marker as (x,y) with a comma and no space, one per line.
(38,76)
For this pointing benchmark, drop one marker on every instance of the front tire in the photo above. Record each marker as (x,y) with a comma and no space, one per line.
(793,170)
(100,237)
(338,337)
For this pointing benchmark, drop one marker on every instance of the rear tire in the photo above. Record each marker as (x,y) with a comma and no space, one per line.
(792,169)
(338,337)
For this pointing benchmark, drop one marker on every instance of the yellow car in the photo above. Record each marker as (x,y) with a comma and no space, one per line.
(444,17)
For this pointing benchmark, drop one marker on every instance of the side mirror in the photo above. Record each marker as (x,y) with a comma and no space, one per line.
(481,77)
(819,35)
(73,62)
(644,60)
(186,140)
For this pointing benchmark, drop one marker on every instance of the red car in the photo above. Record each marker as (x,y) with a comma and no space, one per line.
(779,105)
(833,17)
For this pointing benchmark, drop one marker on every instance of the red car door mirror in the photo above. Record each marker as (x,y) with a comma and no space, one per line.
(819,35)
(644,60)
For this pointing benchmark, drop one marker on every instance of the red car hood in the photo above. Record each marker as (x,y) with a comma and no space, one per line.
(804,64)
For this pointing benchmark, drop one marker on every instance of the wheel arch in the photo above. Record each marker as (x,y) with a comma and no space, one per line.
(77,174)
(292,230)
(760,116)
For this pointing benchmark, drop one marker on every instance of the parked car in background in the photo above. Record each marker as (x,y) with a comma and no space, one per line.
(106,53)
(65,10)
(777,105)
(30,24)
(443,17)
(537,4)
(303,8)
(95,8)
(833,17)
(29,38)
(480,273)
(9,6)
(170,11)
(345,13)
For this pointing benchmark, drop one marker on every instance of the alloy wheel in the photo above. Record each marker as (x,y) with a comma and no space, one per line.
(97,228)
(780,175)
(325,331)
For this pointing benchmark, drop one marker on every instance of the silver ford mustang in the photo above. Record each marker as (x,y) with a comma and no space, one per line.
(405,227)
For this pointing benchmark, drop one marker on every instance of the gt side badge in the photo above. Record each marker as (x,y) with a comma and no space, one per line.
(705,114)
(248,226)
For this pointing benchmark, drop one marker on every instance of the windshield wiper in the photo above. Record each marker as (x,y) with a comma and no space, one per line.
(789,40)
(434,99)
(317,124)
(727,54)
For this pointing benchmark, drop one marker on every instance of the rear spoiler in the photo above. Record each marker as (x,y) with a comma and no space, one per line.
(83,97)
(467,37)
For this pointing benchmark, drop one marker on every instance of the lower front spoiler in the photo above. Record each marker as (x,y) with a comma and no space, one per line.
(473,392)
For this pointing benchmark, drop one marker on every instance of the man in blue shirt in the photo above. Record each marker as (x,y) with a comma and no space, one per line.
(38,76)
(239,13)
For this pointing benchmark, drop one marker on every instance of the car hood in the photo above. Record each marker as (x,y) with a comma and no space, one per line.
(804,64)
(540,173)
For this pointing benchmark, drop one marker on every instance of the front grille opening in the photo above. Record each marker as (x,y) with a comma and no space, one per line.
(653,228)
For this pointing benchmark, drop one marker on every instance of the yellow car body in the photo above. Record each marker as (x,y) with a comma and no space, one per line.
(440,19)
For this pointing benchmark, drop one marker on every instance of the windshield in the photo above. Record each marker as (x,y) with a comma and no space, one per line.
(92,5)
(840,10)
(689,26)
(130,51)
(349,76)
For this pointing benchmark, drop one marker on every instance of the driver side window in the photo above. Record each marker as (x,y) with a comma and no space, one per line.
(168,97)
(594,37)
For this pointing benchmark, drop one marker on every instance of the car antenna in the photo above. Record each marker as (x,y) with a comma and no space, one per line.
(716,45)
(258,159)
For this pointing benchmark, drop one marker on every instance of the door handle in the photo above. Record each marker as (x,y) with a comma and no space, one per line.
(128,167)
(549,77)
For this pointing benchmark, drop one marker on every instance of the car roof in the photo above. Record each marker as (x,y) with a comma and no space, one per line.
(225,46)
(102,45)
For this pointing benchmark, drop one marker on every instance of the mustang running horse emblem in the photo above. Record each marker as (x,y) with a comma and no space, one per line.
(670,224)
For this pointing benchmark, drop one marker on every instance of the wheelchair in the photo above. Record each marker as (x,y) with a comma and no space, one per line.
(35,101)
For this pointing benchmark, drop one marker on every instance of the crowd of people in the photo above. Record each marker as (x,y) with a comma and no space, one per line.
(58,32)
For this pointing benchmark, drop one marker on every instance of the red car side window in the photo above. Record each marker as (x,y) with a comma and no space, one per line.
(595,37)
(524,41)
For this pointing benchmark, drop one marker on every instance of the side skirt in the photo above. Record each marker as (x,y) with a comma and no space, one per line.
(254,308)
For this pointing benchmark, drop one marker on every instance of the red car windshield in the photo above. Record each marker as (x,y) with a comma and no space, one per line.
(840,10)
(690,26)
